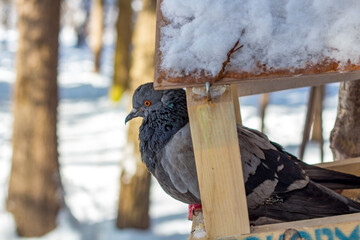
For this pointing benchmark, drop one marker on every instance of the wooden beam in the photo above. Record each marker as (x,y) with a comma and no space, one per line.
(251,86)
(266,85)
(336,228)
(217,155)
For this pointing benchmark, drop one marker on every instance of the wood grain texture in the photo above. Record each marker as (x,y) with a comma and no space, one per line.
(217,155)
(256,86)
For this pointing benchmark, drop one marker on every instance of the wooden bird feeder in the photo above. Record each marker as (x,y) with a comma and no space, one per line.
(214,112)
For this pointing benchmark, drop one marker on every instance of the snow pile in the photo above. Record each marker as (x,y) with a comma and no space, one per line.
(279,33)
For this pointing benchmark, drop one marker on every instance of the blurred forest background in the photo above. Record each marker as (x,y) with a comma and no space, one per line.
(69,168)
(105,48)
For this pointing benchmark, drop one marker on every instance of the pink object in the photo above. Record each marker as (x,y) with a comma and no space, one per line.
(192,209)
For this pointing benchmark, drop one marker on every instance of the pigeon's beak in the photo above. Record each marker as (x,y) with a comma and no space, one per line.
(133,114)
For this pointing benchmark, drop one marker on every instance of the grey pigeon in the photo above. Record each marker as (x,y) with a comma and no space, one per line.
(279,187)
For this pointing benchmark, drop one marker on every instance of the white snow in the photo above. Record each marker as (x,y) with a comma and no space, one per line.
(92,148)
(279,33)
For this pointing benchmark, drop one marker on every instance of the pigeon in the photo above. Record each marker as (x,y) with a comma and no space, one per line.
(279,187)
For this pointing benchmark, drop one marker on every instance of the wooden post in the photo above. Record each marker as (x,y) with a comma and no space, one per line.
(217,155)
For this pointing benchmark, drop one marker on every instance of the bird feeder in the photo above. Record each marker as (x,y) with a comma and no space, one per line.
(220,50)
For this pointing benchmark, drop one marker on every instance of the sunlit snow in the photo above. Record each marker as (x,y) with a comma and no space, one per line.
(279,33)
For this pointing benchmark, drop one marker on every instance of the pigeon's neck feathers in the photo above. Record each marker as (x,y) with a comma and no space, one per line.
(160,125)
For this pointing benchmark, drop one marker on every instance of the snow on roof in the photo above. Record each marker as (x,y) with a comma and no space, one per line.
(283,34)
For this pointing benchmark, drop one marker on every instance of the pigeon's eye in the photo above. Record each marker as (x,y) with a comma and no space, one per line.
(147,103)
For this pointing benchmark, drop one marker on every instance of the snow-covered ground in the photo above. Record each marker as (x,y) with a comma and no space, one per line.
(92,148)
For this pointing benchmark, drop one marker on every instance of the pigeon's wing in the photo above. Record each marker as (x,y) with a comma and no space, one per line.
(328,178)
(280,189)
(179,163)
(312,201)
(267,171)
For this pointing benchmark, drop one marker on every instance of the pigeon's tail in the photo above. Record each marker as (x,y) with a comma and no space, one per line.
(329,178)
(313,201)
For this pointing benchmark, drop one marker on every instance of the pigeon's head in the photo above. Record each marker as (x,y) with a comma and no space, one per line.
(145,100)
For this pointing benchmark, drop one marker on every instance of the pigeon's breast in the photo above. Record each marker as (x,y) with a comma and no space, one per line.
(176,165)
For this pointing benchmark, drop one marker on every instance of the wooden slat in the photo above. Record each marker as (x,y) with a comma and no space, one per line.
(217,155)
(265,85)
(341,227)
(253,86)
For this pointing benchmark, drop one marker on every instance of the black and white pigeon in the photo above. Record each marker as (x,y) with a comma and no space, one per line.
(279,187)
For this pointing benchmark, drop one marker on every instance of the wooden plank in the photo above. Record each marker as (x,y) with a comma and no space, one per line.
(259,85)
(343,227)
(350,166)
(251,87)
(217,155)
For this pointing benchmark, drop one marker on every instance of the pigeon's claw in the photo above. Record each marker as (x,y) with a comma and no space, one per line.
(192,209)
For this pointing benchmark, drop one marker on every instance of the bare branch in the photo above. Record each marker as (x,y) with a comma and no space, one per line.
(227,61)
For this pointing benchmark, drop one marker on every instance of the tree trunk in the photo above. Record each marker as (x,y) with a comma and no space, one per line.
(134,199)
(317,131)
(345,137)
(142,71)
(35,193)
(96,31)
(263,106)
(122,53)
(314,119)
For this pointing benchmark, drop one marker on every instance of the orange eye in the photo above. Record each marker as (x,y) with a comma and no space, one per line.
(147,103)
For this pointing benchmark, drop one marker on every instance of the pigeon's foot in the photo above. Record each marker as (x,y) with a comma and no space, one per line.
(192,209)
